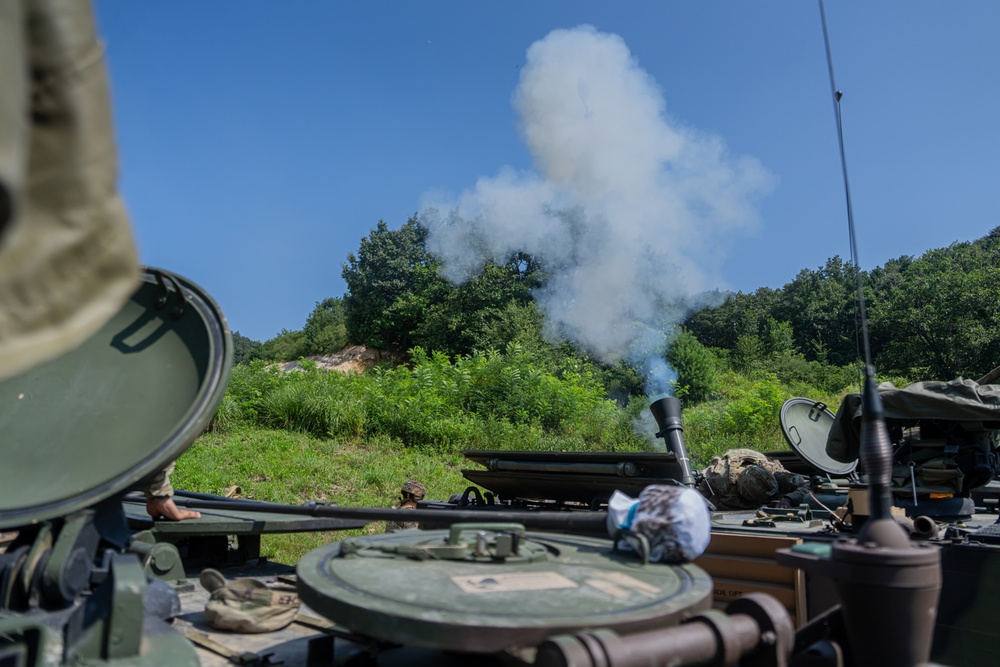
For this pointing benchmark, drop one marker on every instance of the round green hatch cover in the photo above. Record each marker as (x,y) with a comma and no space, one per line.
(806,424)
(481,588)
(102,417)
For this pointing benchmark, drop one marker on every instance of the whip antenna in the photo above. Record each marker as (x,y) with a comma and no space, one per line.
(888,588)
(836,95)
(876,447)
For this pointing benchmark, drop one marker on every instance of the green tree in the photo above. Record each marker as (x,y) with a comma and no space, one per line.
(326,331)
(391,283)
(397,300)
(695,366)
(740,315)
(939,317)
(820,306)
(286,346)
(471,316)
(244,349)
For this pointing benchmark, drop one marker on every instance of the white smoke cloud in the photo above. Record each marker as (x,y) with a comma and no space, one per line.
(628,210)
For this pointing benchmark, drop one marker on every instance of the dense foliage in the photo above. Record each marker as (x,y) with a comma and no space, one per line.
(291,437)
(485,400)
(397,300)
(325,332)
(245,349)
(695,366)
(939,315)
(932,317)
(391,282)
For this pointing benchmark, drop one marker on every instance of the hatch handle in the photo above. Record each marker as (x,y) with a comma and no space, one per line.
(455,536)
(161,301)
(816,411)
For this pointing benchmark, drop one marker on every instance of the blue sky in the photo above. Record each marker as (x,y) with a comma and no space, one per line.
(260,141)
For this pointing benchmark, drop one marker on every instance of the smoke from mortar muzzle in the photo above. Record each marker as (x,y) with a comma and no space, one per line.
(628,211)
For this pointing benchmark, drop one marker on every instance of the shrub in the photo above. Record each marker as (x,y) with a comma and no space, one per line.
(695,366)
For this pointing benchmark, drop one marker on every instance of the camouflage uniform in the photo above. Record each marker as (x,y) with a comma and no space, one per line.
(746,479)
(410,493)
(158,486)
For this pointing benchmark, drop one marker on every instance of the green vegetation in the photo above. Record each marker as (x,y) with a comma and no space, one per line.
(478,373)
(932,317)
(325,331)
(285,467)
(396,300)
(484,400)
(695,366)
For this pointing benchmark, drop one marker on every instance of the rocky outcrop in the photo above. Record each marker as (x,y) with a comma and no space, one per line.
(352,359)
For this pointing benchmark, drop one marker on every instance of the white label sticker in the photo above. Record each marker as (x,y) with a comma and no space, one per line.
(523,581)
(611,589)
(630,582)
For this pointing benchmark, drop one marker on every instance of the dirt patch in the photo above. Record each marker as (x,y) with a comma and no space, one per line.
(352,359)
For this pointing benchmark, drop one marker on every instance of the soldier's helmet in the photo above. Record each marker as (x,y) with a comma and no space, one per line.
(757,485)
(413,490)
(789,481)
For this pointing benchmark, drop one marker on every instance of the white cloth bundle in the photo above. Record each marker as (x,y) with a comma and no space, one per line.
(674,519)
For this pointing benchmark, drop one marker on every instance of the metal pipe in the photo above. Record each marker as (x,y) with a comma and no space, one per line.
(925,527)
(575,522)
(623,469)
(719,640)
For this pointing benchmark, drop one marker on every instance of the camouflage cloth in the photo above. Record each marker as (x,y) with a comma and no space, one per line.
(67,258)
(757,484)
(746,479)
(247,605)
(393,526)
(675,521)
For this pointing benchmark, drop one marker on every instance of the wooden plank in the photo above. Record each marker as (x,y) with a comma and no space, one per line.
(761,570)
(743,544)
(727,590)
(741,563)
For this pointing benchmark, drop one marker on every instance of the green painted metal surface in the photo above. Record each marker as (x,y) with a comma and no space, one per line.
(385,587)
(104,416)
(806,424)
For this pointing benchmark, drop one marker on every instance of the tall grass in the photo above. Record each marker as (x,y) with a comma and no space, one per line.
(286,467)
(485,400)
(354,439)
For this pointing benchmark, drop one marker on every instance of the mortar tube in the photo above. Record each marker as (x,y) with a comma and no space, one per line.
(667,413)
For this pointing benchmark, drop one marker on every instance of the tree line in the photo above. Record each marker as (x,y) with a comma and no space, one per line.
(936,316)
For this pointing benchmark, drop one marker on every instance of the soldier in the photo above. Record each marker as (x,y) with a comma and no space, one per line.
(410,494)
(745,479)
(160,498)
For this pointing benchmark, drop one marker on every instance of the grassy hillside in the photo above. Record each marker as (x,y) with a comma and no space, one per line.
(354,439)
(288,467)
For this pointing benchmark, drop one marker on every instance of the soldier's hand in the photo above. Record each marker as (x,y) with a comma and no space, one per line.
(168,509)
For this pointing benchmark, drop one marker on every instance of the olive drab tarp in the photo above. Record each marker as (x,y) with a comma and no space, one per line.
(67,258)
(956,400)
(247,605)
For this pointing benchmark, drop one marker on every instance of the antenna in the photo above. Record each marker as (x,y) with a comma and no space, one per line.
(888,587)
(876,447)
